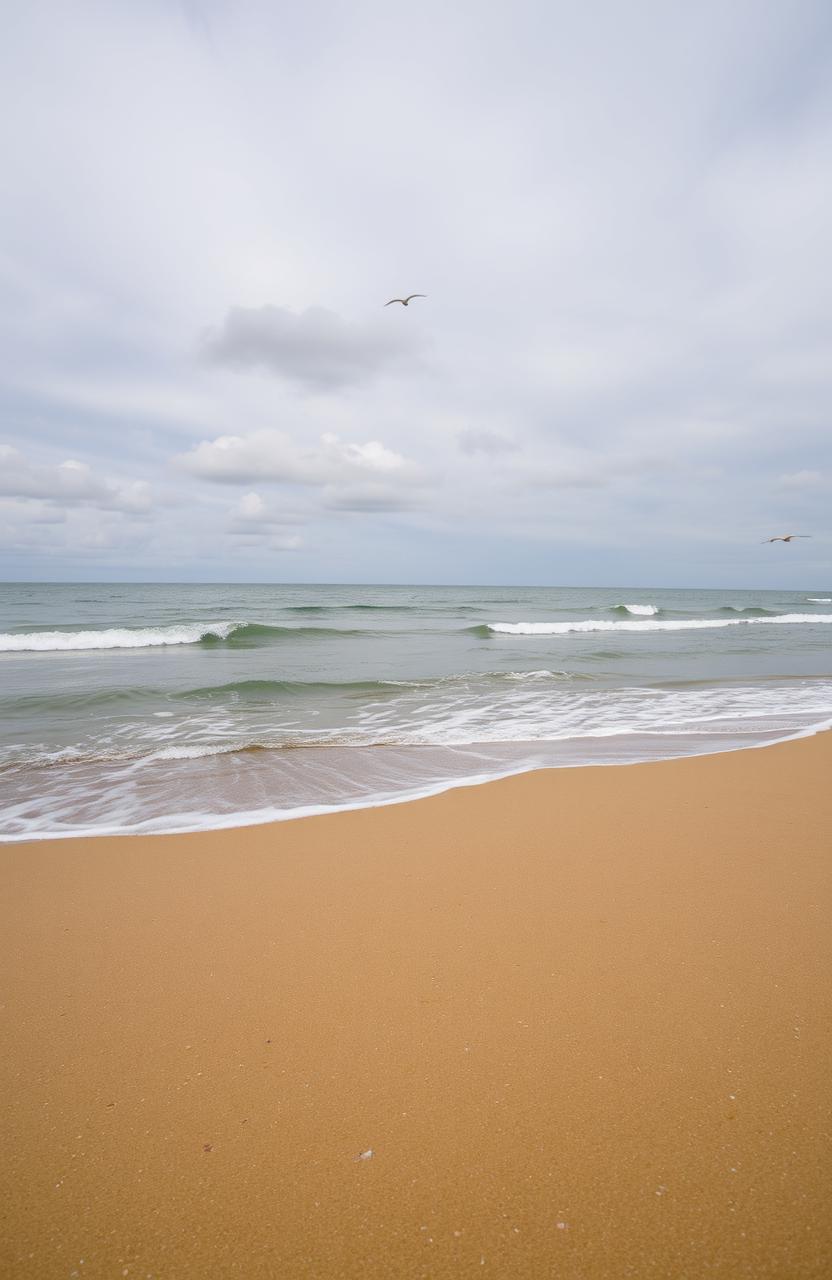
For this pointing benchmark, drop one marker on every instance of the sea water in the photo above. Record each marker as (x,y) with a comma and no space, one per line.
(129,708)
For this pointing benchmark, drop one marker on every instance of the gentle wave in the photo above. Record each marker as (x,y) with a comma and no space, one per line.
(691,624)
(350,608)
(648,610)
(756,611)
(423,610)
(819,599)
(267,691)
(84,700)
(258,630)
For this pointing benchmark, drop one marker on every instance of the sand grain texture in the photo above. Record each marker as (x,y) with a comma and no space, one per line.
(580,1017)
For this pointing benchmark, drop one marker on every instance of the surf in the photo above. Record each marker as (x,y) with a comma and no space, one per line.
(691,624)
(158,637)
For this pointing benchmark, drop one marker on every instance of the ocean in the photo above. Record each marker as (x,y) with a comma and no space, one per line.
(137,708)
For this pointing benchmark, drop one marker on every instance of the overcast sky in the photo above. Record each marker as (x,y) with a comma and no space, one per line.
(621,214)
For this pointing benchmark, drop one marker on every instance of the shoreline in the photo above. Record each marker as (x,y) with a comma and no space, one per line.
(580,1016)
(255,818)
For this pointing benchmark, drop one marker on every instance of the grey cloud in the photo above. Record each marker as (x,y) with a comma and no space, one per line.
(315,348)
(590,477)
(369,498)
(31,511)
(262,540)
(488,442)
(624,251)
(266,538)
(802,480)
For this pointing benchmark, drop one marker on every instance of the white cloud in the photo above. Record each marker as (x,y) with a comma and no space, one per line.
(372,456)
(263,455)
(275,456)
(69,483)
(251,507)
(253,514)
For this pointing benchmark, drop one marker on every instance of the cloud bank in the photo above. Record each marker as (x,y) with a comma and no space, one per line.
(620,216)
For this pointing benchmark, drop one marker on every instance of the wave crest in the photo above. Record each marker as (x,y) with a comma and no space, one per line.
(756,611)
(154,637)
(692,624)
(114,638)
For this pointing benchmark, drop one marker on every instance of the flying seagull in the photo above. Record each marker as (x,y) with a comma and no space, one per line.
(404,301)
(788,537)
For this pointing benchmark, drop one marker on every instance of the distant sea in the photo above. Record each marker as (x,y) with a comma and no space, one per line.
(136,708)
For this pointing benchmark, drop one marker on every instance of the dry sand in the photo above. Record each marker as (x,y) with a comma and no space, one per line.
(580,1018)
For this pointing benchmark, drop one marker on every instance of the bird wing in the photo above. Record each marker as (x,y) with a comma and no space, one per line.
(392,300)
(415,295)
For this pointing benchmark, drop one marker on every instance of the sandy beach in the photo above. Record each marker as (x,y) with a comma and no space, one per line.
(576,1022)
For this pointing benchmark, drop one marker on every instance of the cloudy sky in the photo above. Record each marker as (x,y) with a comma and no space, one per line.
(621,213)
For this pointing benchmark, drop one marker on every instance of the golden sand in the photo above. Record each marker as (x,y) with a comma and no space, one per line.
(580,1018)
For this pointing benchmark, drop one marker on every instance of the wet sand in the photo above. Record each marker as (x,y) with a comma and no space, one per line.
(580,1018)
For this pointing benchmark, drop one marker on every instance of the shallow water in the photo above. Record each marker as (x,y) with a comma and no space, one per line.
(146,707)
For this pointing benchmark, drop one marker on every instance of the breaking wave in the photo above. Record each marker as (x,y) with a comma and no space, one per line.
(154,637)
(691,624)
(267,690)
(113,638)
(646,610)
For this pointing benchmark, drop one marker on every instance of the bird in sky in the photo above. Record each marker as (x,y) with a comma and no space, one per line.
(404,301)
(788,537)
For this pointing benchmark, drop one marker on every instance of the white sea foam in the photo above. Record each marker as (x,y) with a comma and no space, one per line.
(689,624)
(465,678)
(32,820)
(195,751)
(647,609)
(543,675)
(272,720)
(557,713)
(113,638)
(819,599)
